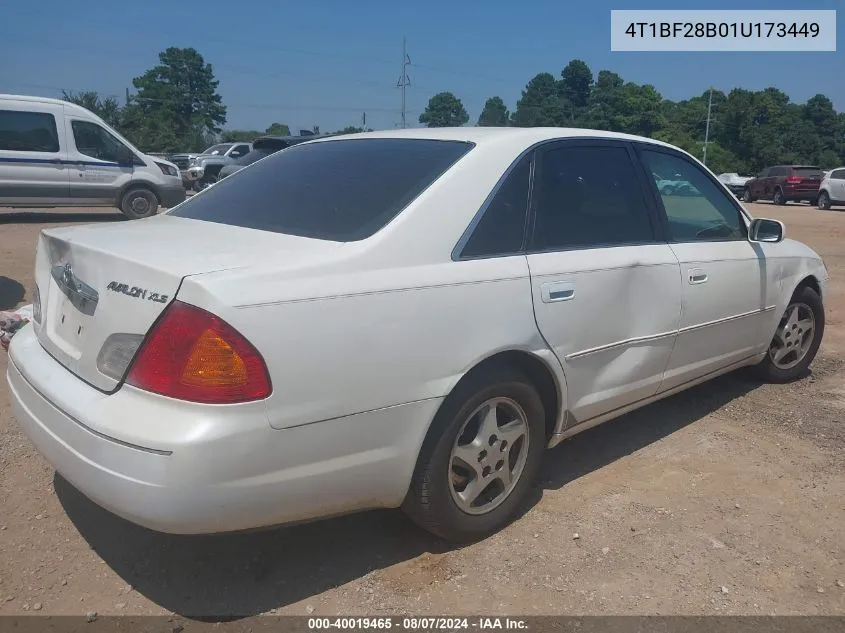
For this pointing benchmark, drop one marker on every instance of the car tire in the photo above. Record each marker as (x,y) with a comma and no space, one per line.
(441,476)
(778,198)
(746,195)
(792,334)
(823,201)
(138,203)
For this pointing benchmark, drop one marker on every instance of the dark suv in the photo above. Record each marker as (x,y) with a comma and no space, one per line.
(783,183)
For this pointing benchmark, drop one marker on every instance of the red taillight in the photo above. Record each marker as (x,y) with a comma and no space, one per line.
(190,354)
(794,180)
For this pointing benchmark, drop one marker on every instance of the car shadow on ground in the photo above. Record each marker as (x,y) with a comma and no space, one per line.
(226,577)
(12,292)
(58,217)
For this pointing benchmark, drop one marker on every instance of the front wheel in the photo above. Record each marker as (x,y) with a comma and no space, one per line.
(823,201)
(796,340)
(139,203)
(480,457)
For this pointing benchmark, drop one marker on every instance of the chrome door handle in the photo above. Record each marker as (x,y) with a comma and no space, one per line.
(557,291)
(697,276)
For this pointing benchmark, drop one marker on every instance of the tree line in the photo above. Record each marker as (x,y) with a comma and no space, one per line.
(749,129)
(176,107)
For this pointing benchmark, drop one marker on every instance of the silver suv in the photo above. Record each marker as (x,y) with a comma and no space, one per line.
(832,189)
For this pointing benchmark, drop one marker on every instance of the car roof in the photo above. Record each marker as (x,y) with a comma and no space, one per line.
(483,135)
(48,101)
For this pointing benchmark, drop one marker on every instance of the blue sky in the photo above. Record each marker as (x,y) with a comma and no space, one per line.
(324,62)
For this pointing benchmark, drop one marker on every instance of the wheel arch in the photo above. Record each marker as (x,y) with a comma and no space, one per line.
(136,184)
(809,281)
(550,386)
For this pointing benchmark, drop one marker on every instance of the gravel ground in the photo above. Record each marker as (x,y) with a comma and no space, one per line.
(727,499)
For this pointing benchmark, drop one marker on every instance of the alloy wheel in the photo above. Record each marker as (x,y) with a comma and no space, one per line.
(488,456)
(793,337)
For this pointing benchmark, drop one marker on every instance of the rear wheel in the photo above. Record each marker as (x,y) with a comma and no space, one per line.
(823,201)
(746,195)
(778,197)
(480,457)
(796,340)
(138,203)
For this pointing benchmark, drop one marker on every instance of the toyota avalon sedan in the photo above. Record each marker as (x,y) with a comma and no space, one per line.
(397,319)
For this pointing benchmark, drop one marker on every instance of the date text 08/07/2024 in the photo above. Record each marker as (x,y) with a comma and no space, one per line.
(418,623)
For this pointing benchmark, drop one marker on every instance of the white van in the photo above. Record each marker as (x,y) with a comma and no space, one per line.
(54,153)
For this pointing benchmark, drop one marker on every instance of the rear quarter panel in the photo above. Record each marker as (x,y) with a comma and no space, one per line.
(403,334)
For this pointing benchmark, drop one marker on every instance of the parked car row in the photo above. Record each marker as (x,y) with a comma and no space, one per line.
(785,183)
(199,171)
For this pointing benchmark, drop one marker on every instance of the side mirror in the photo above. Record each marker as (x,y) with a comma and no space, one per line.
(762,230)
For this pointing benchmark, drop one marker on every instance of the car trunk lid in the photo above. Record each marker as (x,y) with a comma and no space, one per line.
(805,178)
(93,281)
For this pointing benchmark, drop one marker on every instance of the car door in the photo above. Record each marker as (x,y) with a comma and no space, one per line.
(729,292)
(33,168)
(758,184)
(837,185)
(605,285)
(98,165)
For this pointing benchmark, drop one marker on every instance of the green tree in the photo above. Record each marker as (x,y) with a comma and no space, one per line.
(177,102)
(444,110)
(540,103)
(574,90)
(107,108)
(494,114)
(235,136)
(278,129)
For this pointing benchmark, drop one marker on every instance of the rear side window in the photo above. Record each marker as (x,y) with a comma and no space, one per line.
(839,174)
(502,227)
(28,132)
(341,190)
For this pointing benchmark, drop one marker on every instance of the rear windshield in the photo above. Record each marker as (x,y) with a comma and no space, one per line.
(807,172)
(251,157)
(340,190)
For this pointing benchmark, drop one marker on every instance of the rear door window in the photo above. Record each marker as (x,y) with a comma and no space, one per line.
(839,174)
(339,190)
(28,132)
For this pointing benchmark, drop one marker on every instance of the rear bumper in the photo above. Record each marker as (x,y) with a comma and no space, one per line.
(202,471)
(792,193)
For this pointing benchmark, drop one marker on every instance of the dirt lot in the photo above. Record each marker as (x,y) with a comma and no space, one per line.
(728,499)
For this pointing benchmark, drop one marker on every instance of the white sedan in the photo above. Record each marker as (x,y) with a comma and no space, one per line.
(403,318)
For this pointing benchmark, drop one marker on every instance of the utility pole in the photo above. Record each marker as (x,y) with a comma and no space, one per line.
(707,128)
(404,80)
